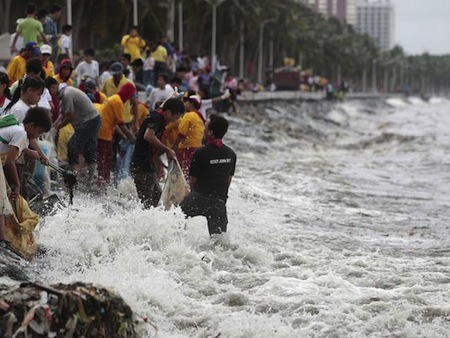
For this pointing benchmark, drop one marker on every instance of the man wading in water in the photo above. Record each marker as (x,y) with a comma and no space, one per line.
(211,171)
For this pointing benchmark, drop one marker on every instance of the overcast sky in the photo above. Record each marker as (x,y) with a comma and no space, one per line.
(423,25)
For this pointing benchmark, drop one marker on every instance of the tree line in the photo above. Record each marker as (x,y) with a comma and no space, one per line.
(327,46)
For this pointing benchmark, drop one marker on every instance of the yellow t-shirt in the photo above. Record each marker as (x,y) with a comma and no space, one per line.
(192,127)
(170,133)
(109,89)
(65,134)
(49,69)
(132,46)
(111,113)
(16,68)
(69,82)
(160,54)
(142,112)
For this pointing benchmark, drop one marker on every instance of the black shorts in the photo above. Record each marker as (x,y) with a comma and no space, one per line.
(214,209)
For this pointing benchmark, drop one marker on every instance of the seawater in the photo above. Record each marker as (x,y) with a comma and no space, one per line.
(338,228)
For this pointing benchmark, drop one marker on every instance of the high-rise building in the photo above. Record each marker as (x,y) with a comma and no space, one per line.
(377,19)
(344,10)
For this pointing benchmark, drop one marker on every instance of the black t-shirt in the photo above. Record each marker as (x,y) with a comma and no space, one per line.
(144,155)
(212,166)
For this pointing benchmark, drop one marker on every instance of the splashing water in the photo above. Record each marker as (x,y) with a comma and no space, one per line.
(336,230)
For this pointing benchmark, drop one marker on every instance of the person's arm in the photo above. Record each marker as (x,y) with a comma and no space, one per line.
(135,110)
(44,38)
(127,132)
(229,180)
(151,139)
(125,40)
(10,166)
(40,154)
(64,121)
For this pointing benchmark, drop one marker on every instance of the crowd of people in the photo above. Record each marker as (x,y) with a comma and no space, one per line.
(100,129)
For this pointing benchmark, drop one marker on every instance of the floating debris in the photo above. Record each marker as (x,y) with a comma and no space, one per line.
(75,310)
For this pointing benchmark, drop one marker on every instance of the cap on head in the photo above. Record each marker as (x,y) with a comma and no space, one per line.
(46,49)
(89,84)
(18,21)
(196,101)
(116,68)
(32,47)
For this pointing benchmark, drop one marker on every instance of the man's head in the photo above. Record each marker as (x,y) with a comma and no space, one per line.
(192,102)
(66,29)
(137,65)
(30,50)
(33,66)
(37,122)
(127,92)
(52,85)
(31,8)
(116,70)
(65,69)
(172,110)
(46,52)
(89,55)
(125,60)
(134,31)
(216,127)
(175,82)
(55,11)
(162,80)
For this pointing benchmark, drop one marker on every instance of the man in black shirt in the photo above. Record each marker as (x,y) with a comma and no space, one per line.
(148,148)
(211,171)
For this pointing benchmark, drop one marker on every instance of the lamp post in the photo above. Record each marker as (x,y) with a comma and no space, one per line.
(241,52)
(180,25)
(260,54)
(135,12)
(69,12)
(215,4)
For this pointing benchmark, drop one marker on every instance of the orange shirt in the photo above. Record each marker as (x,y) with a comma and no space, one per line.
(111,113)
(192,127)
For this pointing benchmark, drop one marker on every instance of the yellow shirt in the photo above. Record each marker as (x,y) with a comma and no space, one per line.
(142,112)
(111,113)
(192,127)
(132,46)
(69,82)
(170,133)
(16,68)
(109,89)
(160,54)
(49,69)
(64,136)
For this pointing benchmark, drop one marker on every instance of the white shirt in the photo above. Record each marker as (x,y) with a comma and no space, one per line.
(159,95)
(65,43)
(149,63)
(19,109)
(5,104)
(15,136)
(19,43)
(44,102)
(105,76)
(206,104)
(88,69)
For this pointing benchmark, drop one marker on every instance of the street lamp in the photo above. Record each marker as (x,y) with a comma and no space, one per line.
(215,4)
(260,54)
(135,12)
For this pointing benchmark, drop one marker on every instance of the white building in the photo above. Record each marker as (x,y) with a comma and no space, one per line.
(377,19)
(344,10)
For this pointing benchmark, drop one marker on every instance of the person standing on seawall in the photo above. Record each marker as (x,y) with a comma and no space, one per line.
(211,172)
